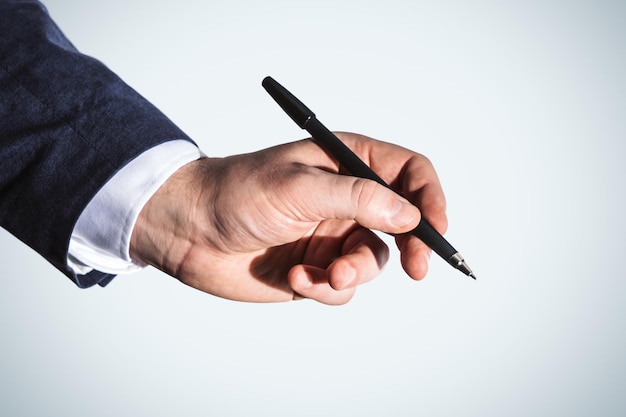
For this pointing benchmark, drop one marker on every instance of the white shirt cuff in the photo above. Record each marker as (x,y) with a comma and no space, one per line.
(101,236)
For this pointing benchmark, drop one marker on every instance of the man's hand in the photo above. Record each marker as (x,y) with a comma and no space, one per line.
(280,224)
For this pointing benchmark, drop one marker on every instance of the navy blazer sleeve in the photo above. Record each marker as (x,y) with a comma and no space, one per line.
(67,124)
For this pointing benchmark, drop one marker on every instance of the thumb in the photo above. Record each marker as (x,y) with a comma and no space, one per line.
(368,203)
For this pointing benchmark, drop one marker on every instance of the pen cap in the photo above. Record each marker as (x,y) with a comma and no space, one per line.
(289,103)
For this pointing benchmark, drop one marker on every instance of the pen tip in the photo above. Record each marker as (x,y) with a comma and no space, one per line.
(459,263)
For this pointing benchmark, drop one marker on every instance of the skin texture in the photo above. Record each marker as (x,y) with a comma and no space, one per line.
(281,224)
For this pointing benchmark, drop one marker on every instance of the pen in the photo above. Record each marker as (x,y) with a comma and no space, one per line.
(306,119)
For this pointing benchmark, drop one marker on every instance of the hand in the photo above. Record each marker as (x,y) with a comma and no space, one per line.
(280,224)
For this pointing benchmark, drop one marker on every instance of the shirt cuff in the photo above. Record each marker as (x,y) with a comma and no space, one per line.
(101,237)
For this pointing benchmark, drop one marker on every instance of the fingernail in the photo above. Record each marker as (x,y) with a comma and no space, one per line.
(350,277)
(404,214)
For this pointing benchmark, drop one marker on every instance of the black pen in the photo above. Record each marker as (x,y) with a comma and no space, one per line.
(306,119)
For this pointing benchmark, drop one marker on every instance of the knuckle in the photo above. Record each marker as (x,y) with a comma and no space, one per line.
(363,192)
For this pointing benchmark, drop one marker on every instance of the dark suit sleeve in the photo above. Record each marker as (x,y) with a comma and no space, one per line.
(67,124)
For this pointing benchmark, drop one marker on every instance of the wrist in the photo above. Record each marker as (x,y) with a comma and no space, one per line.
(167,226)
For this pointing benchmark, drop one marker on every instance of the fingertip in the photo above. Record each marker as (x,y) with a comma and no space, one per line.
(438,219)
(414,257)
(417,270)
(404,216)
(421,268)
(342,276)
(364,257)
(300,280)
(311,282)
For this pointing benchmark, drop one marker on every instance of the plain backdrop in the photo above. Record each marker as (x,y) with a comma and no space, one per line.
(521,107)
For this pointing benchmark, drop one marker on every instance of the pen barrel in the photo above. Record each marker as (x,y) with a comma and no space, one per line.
(327,140)
(331,143)
(433,239)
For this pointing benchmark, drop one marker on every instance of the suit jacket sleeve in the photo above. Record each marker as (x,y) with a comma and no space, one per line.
(67,125)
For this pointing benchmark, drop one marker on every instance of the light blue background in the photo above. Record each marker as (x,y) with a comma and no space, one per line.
(520,105)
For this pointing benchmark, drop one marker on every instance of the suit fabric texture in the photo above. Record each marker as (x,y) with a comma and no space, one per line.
(67,125)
